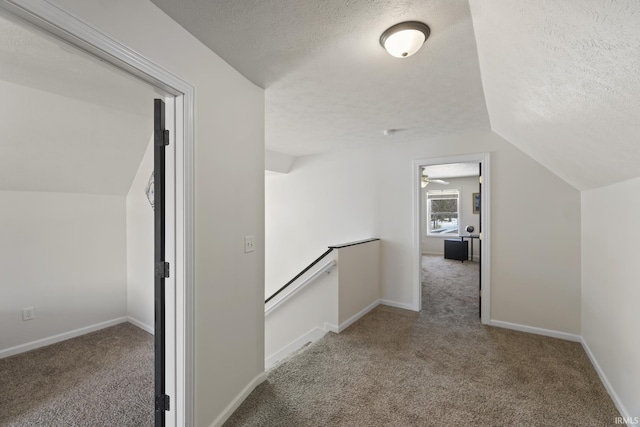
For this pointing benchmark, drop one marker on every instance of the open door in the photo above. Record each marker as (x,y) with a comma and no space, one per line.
(161,140)
(479,243)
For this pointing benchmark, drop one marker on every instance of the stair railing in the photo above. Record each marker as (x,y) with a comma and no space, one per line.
(310,266)
(307,268)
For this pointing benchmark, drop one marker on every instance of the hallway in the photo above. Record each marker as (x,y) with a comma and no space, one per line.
(438,367)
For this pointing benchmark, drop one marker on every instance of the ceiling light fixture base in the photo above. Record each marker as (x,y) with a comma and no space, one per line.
(404,39)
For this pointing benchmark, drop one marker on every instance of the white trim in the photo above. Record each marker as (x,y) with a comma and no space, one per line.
(418,225)
(59,337)
(350,321)
(533,330)
(401,305)
(312,336)
(325,268)
(332,328)
(344,325)
(235,403)
(614,396)
(55,20)
(141,325)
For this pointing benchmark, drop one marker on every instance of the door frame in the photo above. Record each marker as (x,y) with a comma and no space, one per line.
(60,23)
(485,206)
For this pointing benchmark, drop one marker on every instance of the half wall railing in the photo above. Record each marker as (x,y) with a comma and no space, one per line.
(314,302)
(292,281)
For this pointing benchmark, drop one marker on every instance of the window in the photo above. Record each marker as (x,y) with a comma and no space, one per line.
(442,212)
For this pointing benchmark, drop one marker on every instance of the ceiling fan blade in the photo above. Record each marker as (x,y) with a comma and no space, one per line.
(439,181)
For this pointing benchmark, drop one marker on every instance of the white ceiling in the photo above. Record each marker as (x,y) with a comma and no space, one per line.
(562,82)
(69,122)
(561,78)
(452,170)
(329,84)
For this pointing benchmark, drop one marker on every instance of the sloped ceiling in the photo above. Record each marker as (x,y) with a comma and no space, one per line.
(562,83)
(561,78)
(329,84)
(69,123)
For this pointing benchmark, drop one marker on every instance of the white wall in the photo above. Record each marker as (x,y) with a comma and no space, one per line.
(368,193)
(610,291)
(359,279)
(140,238)
(64,255)
(322,201)
(229,196)
(31,119)
(467,186)
(323,300)
(312,306)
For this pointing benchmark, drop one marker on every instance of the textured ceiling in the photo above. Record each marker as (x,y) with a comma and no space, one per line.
(69,123)
(562,83)
(561,78)
(329,84)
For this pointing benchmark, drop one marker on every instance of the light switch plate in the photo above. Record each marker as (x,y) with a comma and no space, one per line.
(249,244)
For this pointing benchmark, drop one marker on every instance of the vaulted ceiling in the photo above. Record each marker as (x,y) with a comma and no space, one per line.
(562,82)
(559,79)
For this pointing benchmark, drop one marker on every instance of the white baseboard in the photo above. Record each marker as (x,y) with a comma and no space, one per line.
(577,338)
(312,336)
(59,337)
(344,325)
(332,328)
(235,403)
(614,396)
(433,253)
(141,325)
(533,330)
(350,321)
(475,257)
(402,305)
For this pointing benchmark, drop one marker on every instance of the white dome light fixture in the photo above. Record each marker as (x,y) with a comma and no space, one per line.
(404,39)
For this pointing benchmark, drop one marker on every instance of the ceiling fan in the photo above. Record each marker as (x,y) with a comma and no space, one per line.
(425,180)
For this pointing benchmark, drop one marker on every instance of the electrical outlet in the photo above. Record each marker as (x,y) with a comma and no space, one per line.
(249,244)
(28,313)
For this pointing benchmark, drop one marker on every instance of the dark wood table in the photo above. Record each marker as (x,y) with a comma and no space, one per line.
(470,237)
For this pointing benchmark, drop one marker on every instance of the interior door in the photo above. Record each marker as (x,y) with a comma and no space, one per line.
(479,243)
(161,140)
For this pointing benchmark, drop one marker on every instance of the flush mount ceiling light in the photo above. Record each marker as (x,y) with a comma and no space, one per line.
(405,39)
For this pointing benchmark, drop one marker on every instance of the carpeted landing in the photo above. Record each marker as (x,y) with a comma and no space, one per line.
(104,378)
(440,367)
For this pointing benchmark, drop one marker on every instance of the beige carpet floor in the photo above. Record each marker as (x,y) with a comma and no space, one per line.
(439,367)
(104,378)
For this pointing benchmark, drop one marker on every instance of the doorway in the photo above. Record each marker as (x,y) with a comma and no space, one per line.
(444,204)
(179,193)
(450,241)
